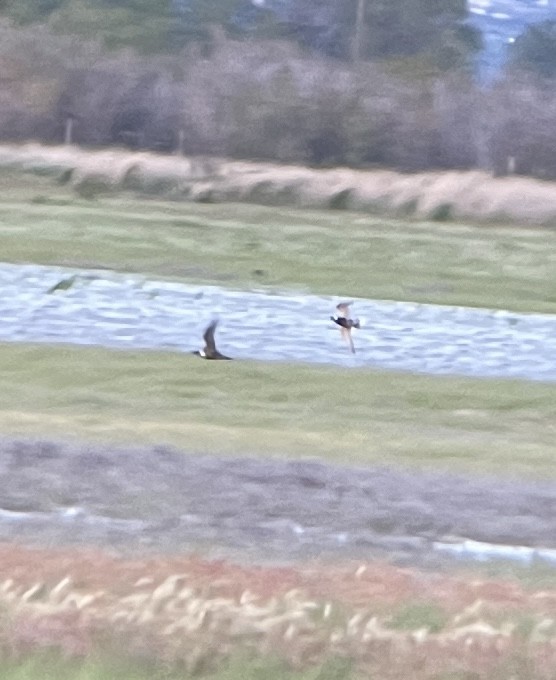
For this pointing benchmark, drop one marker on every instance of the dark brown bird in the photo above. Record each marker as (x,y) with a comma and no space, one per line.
(346,323)
(209,351)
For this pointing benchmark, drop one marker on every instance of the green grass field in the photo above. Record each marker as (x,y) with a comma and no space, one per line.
(260,408)
(51,667)
(281,409)
(329,252)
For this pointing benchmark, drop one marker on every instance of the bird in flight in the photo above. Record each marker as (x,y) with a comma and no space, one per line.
(209,351)
(346,323)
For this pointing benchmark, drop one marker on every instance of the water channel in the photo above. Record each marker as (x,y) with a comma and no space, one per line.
(130,312)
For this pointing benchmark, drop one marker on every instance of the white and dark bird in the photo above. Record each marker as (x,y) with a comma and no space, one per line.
(209,351)
(346,323)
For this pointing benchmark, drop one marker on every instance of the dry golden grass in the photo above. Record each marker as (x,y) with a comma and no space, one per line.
(435,195)
(394,623)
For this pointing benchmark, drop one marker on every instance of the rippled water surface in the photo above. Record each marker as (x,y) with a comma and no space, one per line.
(117,310)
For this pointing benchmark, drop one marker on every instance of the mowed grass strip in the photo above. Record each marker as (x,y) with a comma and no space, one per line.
(253,408)
(327,252)
(54,666)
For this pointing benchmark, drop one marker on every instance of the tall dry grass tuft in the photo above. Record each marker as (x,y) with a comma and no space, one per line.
(440,196)
(175,621)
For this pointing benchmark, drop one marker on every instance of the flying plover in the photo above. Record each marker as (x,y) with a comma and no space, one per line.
(346,323)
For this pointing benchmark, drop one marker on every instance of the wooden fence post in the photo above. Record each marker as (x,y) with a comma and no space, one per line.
(68,133)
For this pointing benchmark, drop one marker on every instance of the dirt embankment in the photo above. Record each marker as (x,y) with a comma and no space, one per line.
(442,196)
(161,500)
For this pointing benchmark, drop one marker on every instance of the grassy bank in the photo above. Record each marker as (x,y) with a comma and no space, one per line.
(448,423)
(240,245)
(104,667)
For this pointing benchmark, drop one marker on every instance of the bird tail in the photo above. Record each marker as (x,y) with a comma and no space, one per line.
(356,324)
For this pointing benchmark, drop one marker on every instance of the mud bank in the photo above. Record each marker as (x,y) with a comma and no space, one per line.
(163,500)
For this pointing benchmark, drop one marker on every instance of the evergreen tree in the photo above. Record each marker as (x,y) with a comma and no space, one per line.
(535,49)
(435,28)
(196,18)
(28,11)
(392,29)
(141,24)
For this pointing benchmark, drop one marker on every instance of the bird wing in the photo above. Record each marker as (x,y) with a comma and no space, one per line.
(208,336)
(343,309)
(346,334)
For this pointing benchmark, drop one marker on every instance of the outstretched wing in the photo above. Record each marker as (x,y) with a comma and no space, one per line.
(346,334)
(208,336)
(343,309)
